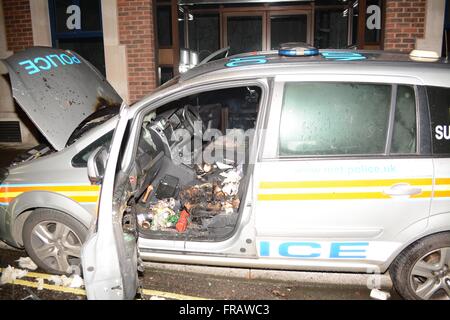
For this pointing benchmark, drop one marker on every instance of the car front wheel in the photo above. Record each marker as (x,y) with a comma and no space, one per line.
(53,241)
(422,271)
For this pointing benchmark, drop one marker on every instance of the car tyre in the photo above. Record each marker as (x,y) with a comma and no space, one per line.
(53,241)
(422,271)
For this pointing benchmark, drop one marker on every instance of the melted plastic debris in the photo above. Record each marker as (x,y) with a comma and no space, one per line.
(163,214)
(162,219)
(10,274)
(27,263)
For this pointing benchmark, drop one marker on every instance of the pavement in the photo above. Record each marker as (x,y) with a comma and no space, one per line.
(182,282)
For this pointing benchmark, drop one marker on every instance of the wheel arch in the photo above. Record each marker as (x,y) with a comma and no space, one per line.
(436,224)
(23,206)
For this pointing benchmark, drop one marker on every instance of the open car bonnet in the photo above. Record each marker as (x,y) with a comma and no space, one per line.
(57,89)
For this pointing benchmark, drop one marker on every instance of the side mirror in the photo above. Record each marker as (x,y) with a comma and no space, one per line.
(96,165)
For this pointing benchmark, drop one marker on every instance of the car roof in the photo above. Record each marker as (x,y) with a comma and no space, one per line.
(274,61)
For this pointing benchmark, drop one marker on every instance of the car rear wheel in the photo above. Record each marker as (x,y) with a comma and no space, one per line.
(53,241)
(422,271)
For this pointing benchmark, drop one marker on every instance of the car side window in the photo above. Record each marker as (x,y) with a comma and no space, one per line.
(404,138)
(326,119)
(439,100)
(81,159)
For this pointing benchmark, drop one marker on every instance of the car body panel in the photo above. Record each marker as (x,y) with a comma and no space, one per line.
(113,273)
(294,234)
(313,234)
(57,89)
(50,182)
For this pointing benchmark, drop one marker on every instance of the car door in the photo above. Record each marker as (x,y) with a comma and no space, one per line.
(341,176)
(109,255)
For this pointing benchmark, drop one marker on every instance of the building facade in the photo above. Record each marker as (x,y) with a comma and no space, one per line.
(139,44)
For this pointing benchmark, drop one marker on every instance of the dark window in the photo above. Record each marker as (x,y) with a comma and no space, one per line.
(447,15)
(89,48)
(204,34)
(77,25)
(404,139)
(91,19)
(373,35)
(439,99)
(244,34)
(331,29)
(446,41)
(355,23)
(166,73)
(164,21)
(289,28)
(81,159)
(350,119)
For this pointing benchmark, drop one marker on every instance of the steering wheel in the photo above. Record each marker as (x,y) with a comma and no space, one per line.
(193,119)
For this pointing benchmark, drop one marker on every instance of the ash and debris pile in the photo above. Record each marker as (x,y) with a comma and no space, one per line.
(209,207)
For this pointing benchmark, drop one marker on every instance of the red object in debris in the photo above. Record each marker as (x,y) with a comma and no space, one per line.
(183,222)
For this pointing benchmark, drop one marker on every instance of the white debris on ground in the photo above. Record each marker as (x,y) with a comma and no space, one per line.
(40,283)
(380,295)
(157,298)
(27,263)
(74,281)
(10,274)
(77,282)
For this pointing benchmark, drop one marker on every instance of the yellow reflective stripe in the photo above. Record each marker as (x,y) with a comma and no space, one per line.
(347,183)
(68,194)
(442,194)
(85,199)
(442,181)
(322,196)
(345,196)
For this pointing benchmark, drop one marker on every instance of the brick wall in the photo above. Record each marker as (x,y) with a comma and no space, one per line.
(19,32)
(405,22)
(136,32)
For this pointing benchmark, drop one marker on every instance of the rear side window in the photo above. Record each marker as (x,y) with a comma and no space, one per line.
(439,100)
(334,119)
(404,136)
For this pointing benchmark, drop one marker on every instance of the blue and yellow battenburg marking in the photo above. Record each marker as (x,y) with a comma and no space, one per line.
(85,194)
(347,189)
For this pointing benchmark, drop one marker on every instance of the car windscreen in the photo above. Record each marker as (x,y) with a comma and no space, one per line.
(99,117)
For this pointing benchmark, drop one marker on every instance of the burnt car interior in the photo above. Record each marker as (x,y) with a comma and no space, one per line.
(193,200)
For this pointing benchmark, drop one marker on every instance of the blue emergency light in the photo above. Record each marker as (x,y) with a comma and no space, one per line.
(297,49)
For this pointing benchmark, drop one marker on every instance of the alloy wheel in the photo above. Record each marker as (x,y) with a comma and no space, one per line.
(430,276)
(57,245)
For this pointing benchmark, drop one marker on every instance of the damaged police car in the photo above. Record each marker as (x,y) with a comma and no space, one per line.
(298,160)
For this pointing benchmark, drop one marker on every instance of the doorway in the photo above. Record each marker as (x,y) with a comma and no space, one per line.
(265,28)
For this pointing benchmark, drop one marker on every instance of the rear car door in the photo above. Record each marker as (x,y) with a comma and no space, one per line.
(341,176)
(109,255)
(439,102)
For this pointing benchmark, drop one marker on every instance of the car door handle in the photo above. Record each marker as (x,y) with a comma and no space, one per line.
(403,190)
